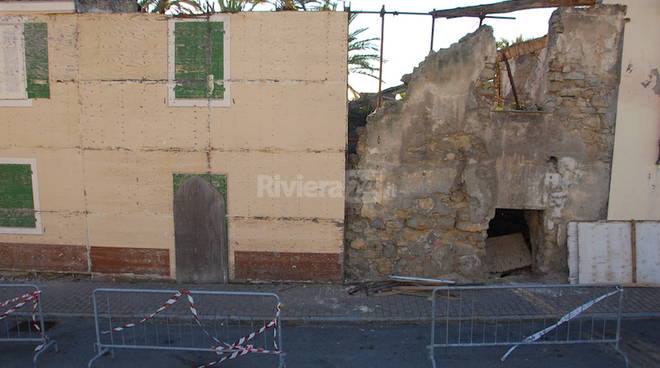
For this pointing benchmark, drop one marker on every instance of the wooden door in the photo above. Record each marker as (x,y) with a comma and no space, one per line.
(200,232)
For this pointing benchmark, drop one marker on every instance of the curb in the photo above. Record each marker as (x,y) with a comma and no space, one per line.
(311,321)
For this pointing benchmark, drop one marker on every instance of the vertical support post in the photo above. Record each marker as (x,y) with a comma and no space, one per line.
(432,31)
(432,344)
(633,250)
(379,99)
(513,85)
(618,328)
(347,9)
(658,162)
(618,317)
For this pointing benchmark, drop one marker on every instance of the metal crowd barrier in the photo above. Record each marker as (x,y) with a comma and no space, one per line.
(229,324)
(480,316)
(21,318)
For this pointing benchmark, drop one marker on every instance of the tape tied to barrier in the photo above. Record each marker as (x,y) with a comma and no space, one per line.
(18,303)
(226,350)
(567,317)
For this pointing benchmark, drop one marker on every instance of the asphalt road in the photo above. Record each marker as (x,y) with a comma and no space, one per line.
(347,346)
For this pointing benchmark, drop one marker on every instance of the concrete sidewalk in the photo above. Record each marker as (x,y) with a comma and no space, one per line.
(312,303)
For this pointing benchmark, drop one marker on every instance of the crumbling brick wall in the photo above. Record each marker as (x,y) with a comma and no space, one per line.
(433,168)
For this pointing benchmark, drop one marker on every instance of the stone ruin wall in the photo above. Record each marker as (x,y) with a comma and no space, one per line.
(432,168)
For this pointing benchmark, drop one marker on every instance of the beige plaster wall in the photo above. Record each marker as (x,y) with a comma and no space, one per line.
(635,185)
(107,143)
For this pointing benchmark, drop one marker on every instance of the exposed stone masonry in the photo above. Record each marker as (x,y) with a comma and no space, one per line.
(431,169)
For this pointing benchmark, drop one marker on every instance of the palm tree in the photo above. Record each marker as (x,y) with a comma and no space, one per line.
(302,5)
(188,7)
(173,6)
(234,6)
(360,56)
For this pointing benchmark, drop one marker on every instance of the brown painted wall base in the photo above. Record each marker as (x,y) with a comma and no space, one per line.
(43,257)
(141,261)
(73,258)
(288,266)
(156,262)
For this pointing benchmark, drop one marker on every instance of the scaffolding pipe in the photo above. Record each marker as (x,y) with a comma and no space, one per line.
(513,85)
(379,100)
(389,12)
(432,32)
(419,13)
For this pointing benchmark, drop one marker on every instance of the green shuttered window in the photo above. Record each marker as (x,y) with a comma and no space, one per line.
(199,60)
(198,67)
(16,196)
(36,59)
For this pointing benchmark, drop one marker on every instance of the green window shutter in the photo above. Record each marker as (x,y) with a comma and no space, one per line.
(36,59)
(199,59)
(16,200)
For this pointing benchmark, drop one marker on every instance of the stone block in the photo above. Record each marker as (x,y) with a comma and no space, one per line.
(425,203)
(570,92)
(358,244)
(384,267)
(389,250)
(574,76)
(471,226)
(555,76)
(588,110)
(419,222)
(556,65)
(443,209)
(410,235)
(599,101)
(394,224)
(469,264)
(377,224)
(445,222)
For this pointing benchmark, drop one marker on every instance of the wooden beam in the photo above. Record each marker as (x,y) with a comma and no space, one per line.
(507,7)
(522,48)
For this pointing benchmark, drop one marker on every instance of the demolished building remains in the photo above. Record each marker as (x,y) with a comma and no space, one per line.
(444,171)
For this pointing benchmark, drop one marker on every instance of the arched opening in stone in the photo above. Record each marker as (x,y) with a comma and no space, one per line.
(514,236)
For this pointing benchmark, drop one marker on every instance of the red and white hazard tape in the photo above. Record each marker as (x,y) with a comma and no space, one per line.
(14,300)
(20,302)
(230,351)
(238,348)
(241,350)
(165,305)
(567,317)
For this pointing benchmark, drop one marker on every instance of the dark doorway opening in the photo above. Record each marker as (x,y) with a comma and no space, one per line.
(509,221)
(514,236)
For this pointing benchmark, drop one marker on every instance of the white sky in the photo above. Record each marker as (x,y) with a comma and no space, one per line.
(408,37)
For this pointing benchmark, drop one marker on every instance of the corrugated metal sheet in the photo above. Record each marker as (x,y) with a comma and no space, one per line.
(604,252)
(648,252)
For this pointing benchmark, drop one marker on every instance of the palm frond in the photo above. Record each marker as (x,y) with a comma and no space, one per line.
(359,59)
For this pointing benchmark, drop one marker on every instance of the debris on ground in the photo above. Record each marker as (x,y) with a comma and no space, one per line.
(507,253)
(399,285)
